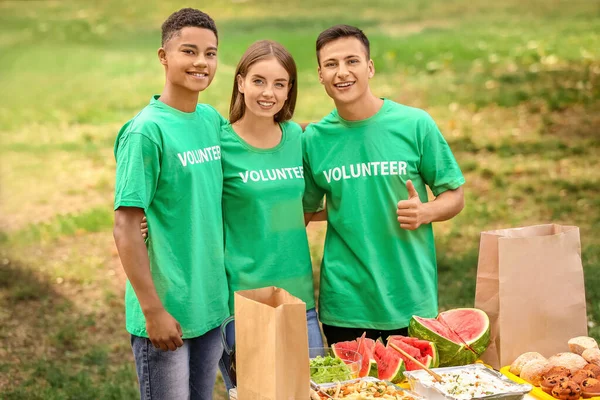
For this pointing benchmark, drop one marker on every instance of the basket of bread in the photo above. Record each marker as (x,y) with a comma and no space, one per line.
(567,376)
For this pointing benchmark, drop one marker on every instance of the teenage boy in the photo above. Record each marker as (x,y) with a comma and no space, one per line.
(169,167)
(372,158)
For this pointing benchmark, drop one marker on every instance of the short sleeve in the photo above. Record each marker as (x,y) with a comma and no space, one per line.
(439,168)
(219,119)
(138,169)
(313,194)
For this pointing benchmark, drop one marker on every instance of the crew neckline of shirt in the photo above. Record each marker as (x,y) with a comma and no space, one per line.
(366,121)
(248,146)
(164,106)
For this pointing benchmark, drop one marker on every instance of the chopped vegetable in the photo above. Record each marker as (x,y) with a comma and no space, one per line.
(329,369)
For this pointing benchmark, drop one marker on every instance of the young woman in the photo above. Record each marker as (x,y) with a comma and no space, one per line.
(263,184)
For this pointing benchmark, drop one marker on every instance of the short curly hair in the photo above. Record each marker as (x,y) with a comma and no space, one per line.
(184,18)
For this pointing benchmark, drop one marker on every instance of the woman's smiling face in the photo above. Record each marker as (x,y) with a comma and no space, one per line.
(265,87)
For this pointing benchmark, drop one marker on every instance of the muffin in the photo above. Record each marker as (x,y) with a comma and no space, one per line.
(594,368)
(560,371)
(568,360)
(590,388)
(534,370)
(519,363)
(567,391)
(582,375)
(550,382)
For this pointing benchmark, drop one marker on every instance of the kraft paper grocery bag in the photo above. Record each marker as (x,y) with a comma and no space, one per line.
(271,345)
(530,283)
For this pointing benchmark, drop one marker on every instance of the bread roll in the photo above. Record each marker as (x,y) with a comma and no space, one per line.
(580,344)
(534,370)
(568,360)
(592,356)
(517,365)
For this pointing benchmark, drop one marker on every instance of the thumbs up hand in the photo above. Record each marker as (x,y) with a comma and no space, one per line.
(410,212)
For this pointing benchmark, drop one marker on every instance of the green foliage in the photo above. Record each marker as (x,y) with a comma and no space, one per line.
(94,220)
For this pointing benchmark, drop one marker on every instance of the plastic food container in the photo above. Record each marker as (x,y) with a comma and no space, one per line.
(537,391)
(324,374)
(405,393)
(489,384)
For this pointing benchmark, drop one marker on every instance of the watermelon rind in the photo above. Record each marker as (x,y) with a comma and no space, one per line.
(451,353)
(435,357)
(397,376)
(390,364)
(373,370)
(369,365)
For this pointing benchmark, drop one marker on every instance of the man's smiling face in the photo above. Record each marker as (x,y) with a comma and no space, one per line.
(345,70)
(190,58)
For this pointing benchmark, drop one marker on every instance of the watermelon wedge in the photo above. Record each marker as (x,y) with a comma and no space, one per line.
(460,335)
(422,350)
(389,363)
(369,365)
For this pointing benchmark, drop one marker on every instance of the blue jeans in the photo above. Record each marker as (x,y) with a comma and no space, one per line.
(186,373)
(314,340)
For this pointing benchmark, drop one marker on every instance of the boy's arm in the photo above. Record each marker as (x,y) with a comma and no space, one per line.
(412,213)
(163,330)
(315,216)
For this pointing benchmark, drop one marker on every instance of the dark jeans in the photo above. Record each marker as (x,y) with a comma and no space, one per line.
(336,334)
(186,373)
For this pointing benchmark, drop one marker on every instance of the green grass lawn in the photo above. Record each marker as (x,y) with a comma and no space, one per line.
(514,87)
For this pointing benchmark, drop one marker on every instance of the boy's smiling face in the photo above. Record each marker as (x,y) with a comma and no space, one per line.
(344,69)
(190,59)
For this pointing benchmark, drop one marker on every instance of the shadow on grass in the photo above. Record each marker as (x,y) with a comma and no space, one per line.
(51,351)
(18,284)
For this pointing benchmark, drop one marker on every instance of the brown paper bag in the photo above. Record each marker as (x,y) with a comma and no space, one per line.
(271,342)
(530,283)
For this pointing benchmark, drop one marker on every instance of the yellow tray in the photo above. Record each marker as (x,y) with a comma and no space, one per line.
(537,391)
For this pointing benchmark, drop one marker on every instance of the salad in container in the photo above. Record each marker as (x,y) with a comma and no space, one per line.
(326,367)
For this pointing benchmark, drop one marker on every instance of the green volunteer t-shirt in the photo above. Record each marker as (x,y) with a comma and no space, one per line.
(169,164)
(375,274)
(265,236)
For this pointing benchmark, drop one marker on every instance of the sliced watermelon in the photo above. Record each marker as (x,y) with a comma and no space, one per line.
(369,365)
(424,358)
(420,349)
(389,363)
(344,351)
(460,335)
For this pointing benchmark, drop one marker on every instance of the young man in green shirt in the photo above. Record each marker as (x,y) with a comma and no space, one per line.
(372,159)
(169,167)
